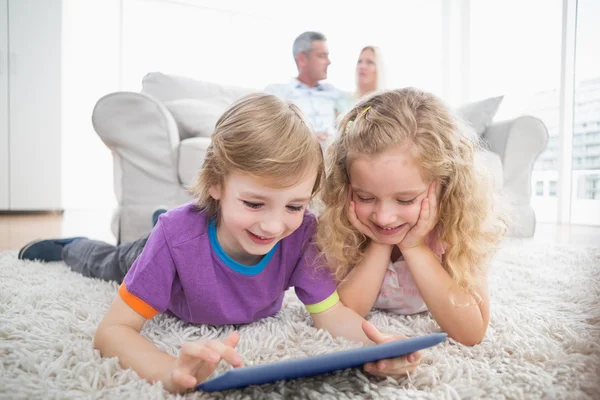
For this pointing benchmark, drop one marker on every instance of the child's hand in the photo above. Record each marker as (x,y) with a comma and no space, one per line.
(353,218)
(428,217)
(395,367)
(362,228)
(197,360)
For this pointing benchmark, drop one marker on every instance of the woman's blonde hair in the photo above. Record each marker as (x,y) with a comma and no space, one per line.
(379,67)
(264,137)
(468,222)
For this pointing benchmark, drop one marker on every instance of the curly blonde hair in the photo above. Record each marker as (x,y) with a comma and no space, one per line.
(468,221)
(264,137)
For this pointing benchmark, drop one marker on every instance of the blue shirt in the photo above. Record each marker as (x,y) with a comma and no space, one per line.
(320,104)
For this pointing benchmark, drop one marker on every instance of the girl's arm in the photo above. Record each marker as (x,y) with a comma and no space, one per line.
(360,288)
(460,314)
(118,336)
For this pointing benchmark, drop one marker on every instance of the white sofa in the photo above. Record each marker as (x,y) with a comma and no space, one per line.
(159,136)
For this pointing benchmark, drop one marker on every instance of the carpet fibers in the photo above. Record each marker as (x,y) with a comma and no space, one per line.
(543,340)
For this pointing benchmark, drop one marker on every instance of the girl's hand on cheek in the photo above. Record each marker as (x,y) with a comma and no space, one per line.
(428,218)
(353,218)
(362,228)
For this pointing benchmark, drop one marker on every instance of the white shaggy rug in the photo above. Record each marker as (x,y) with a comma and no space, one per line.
(543,340)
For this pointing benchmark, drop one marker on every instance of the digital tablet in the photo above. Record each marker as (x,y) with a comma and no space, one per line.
(309,366)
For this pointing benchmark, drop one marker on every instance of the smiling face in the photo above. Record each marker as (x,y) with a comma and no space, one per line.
(388,190)
(254,217)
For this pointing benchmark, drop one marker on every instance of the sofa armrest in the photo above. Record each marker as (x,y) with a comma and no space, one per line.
(141,131)
(144,140)
(518,142)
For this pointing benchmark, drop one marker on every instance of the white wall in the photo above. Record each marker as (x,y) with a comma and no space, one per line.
(514,53)
(4,134)
(250,43)
(90,70)
(231,42)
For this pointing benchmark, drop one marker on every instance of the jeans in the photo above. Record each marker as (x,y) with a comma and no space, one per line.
(98,259)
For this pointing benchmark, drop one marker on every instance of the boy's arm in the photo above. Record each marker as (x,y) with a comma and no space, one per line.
(360,288)
(340,320)
(118,336)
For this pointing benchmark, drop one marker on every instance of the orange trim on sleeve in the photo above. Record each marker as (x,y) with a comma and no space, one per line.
(138,305)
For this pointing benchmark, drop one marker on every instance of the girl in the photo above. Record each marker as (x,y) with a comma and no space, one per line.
(227,259)
(408,224)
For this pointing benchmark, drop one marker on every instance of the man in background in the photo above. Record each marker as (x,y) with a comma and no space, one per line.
(317,100)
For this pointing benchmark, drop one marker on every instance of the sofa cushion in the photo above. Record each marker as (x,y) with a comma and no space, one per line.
(479,114)
(191,157)
(197,117)
(171,87)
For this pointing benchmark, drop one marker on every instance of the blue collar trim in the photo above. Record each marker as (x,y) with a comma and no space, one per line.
(231,263)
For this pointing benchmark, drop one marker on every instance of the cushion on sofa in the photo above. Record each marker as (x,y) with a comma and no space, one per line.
(191,157)
(197,117)
(171,87)
(479,114)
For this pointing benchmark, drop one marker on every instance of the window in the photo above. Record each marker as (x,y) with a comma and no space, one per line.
(552,189)
(528,79)
(585,206)
(588,188)
(539,188)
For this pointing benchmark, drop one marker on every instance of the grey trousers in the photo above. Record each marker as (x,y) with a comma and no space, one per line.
(97,259)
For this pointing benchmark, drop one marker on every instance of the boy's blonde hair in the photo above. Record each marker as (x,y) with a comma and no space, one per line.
(467,220)
(264,137)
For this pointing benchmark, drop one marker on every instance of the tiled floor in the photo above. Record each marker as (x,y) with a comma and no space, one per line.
(19,229)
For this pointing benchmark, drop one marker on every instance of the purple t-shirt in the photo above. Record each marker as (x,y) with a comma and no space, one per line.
(183,272)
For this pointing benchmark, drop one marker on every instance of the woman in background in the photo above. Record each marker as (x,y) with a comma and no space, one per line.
(369,72)
(370,77)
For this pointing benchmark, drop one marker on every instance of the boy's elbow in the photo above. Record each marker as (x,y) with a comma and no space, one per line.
(104,340)
(99,340)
